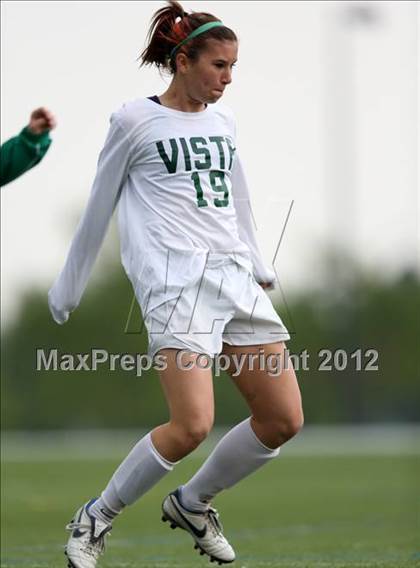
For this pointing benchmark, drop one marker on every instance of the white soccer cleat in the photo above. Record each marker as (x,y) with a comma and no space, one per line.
(87,539)
(204,527)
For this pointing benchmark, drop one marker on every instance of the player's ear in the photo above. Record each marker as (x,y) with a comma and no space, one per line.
(182,63)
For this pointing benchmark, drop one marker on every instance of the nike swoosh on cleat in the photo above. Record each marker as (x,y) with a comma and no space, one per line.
(107,515)
(78,533)
(200,533)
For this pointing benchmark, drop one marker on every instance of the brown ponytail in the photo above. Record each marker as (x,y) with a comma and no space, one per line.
(170,25)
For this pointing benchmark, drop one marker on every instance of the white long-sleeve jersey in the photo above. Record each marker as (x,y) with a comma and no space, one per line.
(181,193)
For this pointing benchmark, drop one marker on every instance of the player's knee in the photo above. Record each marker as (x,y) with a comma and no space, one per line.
(195,433)
(291,425)
(194,436)
(283,428)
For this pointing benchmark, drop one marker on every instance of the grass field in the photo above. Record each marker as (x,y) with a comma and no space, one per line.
(330,511)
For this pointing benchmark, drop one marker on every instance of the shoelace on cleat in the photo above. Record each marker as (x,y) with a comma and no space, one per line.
(214,522)
(94,547)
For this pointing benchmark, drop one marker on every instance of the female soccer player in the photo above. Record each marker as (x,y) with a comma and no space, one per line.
(189,249)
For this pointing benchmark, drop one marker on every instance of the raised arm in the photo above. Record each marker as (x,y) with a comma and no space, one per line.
(241,198)
(112,170)
(24,151)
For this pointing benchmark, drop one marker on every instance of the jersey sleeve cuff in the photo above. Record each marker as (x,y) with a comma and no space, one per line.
(32,139)
(59,316)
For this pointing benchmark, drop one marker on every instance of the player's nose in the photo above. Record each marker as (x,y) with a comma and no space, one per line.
(227,77)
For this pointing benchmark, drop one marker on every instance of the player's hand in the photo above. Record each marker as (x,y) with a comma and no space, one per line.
(41,121)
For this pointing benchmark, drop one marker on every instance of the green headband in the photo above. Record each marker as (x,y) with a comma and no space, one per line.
(195,33)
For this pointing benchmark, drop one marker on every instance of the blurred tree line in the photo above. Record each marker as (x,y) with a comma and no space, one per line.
(354,311)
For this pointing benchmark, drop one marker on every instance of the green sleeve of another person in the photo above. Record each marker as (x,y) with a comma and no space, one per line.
(22,153)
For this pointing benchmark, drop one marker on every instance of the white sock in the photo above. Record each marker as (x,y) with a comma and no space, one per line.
(139,472)
(238,454)
(103,510)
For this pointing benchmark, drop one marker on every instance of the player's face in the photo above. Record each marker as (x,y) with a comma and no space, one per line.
(208,77)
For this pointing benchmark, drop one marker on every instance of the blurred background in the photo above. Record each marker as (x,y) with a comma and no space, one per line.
(325,97)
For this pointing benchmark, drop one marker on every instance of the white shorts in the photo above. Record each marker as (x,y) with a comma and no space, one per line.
(225,305)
